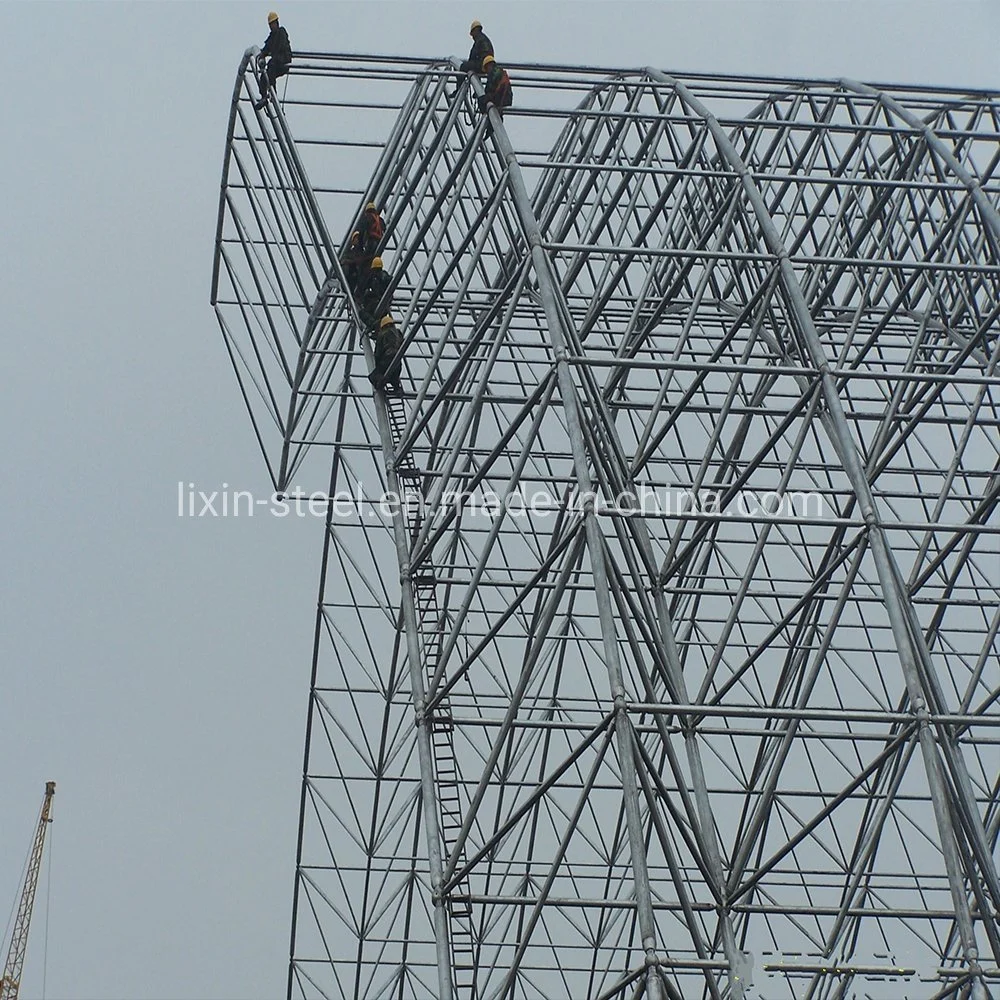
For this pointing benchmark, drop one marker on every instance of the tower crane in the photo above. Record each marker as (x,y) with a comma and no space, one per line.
(11,981)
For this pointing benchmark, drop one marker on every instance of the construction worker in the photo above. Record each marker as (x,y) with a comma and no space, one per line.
(279,48)
(352,261)
(372,231)
(499,92)
(481,48)
(372,288)
(388,341)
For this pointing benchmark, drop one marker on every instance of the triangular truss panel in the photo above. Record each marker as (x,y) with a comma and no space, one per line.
(656,648)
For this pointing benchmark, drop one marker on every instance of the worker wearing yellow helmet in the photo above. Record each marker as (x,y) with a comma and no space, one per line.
(373,297)
(499,93)
(481,47)
(388,360)
(277,50)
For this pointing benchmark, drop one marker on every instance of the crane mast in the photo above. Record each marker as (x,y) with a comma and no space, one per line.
(11,981)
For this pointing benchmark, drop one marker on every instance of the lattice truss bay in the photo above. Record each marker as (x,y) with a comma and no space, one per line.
(578,754)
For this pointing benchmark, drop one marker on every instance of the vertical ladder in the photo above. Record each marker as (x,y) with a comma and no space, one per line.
(430,625)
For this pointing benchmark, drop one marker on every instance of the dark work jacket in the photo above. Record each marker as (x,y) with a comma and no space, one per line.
(353,251)
(498,88)
(374,285)
(278,47)
(481,48)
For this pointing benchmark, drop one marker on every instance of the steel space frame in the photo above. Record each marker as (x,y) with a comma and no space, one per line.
(656,648)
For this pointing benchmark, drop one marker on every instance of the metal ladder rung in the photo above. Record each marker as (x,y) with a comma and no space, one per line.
(424,589)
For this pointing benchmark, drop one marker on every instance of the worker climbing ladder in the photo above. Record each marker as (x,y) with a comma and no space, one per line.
(430,624)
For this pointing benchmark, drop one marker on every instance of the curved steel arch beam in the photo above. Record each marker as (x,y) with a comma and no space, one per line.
(230,129)
(555,308)
(335,275)
(335,280)
(987,211)
(288,144)
(912,653)
(740,964)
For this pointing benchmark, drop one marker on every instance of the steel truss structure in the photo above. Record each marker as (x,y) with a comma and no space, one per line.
(656,649)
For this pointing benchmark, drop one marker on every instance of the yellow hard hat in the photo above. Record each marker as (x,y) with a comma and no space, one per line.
(272,17)
(473,26)
(376,262)
(487,60)
(370,206)
(385,321)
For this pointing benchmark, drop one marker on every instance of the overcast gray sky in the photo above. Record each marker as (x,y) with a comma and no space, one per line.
(157,667)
